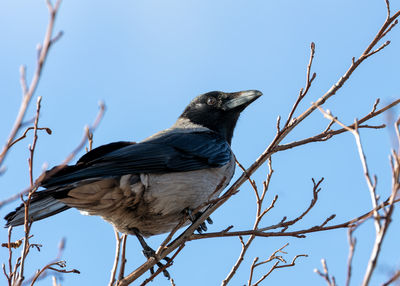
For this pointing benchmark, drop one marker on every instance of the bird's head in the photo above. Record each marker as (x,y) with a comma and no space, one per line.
(219,111)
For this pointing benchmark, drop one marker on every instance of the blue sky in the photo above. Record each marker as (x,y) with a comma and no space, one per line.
(147,59)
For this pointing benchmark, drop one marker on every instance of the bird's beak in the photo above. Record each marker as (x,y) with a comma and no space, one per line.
(240,100)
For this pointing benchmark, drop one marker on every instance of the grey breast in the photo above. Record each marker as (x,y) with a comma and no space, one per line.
(152,203)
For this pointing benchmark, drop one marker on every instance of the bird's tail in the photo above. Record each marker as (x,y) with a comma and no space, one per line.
(41,206)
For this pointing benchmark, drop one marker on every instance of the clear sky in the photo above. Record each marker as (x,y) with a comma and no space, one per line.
(147,59)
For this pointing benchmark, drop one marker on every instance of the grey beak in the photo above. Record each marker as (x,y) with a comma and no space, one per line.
(240,100)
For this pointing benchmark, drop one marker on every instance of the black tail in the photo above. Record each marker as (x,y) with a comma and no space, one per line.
(41,206)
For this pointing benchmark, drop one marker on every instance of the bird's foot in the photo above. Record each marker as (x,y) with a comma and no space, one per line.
(193,217)
(149,252)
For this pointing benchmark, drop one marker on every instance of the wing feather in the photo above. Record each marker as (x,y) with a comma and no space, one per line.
(170,152)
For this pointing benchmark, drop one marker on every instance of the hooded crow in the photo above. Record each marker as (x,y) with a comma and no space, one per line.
(145,188)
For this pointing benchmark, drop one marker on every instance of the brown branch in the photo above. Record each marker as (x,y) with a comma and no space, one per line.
(32,189)
(329,280)
(123,257)
(50,267)
(61,247)
(281,134)
(259,216)
(275,266)
(116,259)
(392,279)
(77,149)
(388,9)
(316,190)
(89,135)
(162,269)
(29,91)
(309,80)
(386,27)
(352,246)
(299,233)
(27,223)
(35,138)
(381,232)
(327,134)
(48,130)
(371,185)
(10,277)
(392,25)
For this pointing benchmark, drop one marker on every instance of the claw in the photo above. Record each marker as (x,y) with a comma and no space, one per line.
(165,272)
(202,227)
(190,214)
(149,252)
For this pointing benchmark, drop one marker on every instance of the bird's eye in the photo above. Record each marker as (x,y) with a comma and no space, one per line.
(211,100)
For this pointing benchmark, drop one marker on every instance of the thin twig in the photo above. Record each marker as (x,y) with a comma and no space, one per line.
(61,247)
(392,279)
(187,234)
(29,91)
(61,264)
(123,257)
(162,269)
(329,280)
(328,134)
(309,80)
(352,246)
(276,265)
(116,259)
(27,223)
(371,185)
(299,233)
(77,149)
(48,130)
(258,218)
(380,235)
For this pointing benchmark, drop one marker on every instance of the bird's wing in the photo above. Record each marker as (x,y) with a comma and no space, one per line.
(170,152)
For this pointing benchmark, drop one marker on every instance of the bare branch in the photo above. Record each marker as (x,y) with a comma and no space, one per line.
(327,134)
(116,259)
(300,233)
(48,130)
(259,216)
(44,274)
(29,91)
(275,266)
(384,45)
(309,80)
(352,245)
(371,185)
(392,279)
(77,149)
(281,134)
(329,280)
(388,9)
(61,264)
(380,235)
(27,223)
(162,269)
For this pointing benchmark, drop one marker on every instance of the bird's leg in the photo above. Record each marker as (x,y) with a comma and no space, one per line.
(149,252)
(202,227)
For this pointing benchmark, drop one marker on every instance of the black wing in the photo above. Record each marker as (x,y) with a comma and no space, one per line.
(170,152)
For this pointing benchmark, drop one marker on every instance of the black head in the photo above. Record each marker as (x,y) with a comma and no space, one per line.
(219,111)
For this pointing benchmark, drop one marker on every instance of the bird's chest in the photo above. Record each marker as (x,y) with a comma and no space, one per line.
(171,193)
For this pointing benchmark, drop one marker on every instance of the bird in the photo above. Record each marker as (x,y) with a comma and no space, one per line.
(147,188)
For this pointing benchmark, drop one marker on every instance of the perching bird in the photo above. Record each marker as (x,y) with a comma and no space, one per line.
(146,188)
